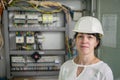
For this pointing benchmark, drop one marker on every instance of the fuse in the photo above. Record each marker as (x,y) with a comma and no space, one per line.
(19,18)
(32,18)
(47,18)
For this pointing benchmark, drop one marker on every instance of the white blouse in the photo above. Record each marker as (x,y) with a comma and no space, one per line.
(98,71)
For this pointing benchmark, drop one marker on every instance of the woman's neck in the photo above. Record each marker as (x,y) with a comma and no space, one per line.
(86,59)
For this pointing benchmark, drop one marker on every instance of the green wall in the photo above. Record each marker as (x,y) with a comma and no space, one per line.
(111,55)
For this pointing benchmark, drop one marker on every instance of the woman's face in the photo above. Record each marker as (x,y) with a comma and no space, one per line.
(86,43)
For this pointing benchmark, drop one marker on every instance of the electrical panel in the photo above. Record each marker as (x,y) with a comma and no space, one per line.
(36,42)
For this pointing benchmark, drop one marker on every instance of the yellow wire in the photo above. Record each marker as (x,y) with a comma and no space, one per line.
(68,45)
(52,11)
(1,39)
(43,11)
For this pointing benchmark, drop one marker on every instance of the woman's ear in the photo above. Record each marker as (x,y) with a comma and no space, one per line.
(97,43)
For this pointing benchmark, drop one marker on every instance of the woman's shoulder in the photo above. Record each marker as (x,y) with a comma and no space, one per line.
(105,70)
(68,63)
(103,67)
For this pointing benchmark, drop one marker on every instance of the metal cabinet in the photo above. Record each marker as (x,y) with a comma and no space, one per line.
(34,42)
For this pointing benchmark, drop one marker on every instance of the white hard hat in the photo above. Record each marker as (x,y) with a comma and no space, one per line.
(88,24)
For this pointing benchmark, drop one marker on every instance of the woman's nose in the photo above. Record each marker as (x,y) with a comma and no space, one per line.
(84,39)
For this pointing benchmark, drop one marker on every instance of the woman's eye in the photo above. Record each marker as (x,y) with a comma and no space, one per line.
(90,37)
(80,37)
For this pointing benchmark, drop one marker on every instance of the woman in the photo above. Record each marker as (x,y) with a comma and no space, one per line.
(86,65)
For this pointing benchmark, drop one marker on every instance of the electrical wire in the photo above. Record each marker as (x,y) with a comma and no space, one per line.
(10,1)
(45,4)
(68,48)
(1,37)
(45,11)
(1,40)
(2,2)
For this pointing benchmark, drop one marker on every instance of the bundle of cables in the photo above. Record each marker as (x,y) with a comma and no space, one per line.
(45,4)
(1,37)
(69,47)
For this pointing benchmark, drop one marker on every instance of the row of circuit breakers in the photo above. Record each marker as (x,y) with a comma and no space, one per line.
(36,18)
(32,18)
(23,63)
